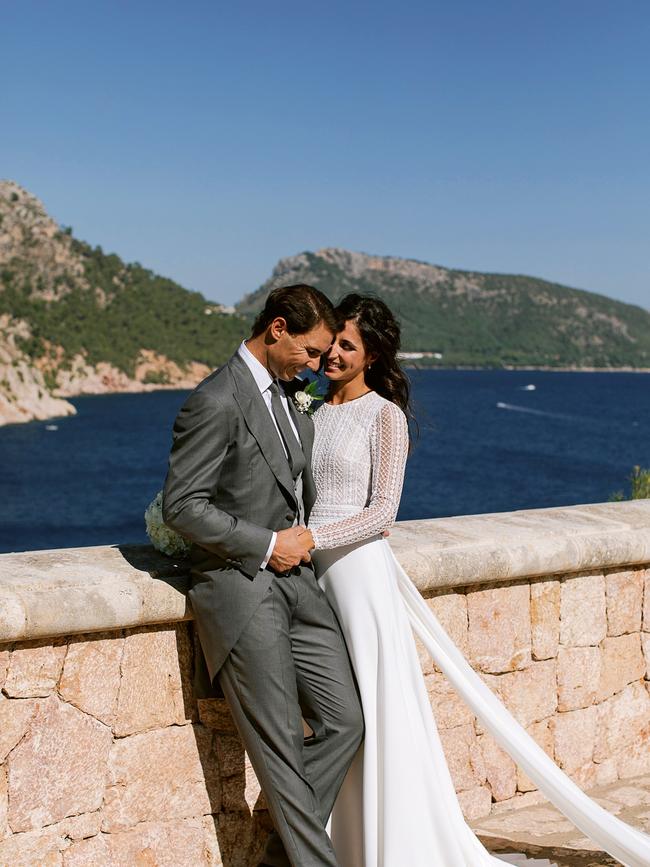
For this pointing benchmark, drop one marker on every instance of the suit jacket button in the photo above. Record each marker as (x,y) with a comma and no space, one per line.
(290,516)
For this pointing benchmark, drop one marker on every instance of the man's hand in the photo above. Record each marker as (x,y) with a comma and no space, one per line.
(308,540)
(292,547)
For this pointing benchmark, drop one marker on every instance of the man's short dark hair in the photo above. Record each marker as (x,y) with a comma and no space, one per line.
(300,305)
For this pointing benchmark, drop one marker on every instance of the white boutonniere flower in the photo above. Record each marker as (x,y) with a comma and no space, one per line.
(304,400)
(162,538)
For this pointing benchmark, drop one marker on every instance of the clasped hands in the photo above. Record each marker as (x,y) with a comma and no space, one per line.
(292,547)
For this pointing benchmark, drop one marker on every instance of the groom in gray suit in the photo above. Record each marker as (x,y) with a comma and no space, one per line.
(240,488)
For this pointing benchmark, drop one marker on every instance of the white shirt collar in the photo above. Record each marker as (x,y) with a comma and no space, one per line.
(261,375)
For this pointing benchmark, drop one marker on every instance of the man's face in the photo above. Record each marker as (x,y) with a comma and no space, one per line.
(291,353)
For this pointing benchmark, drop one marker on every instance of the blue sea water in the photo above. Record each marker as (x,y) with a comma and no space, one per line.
(487,443)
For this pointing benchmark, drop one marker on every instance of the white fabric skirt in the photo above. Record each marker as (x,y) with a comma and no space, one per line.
(398,805)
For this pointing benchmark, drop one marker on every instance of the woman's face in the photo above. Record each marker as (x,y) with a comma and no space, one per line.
(346,358)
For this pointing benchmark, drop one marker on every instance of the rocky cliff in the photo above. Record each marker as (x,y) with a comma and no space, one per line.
(23,393)
(74,320)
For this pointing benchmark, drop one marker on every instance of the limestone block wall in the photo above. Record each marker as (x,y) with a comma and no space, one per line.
(107,759)
(570,657)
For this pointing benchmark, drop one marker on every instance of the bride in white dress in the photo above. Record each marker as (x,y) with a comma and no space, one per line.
(398,805)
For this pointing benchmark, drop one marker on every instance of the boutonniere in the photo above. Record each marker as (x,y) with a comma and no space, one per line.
(305,399)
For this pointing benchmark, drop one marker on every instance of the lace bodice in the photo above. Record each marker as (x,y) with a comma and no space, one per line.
(359,455)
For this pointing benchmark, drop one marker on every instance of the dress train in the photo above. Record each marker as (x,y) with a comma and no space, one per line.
(630,846)
(398,804)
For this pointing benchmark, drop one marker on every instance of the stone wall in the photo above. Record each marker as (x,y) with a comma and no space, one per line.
(106,758)
(570,658)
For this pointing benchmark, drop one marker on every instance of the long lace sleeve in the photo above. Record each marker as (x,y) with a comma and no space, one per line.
(388,445)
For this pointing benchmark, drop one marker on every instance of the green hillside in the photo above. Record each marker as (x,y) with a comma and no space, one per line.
(146,311)
(77,300)
(479,319)
(65,299)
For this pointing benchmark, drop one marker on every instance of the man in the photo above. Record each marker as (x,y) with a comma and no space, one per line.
(240,488)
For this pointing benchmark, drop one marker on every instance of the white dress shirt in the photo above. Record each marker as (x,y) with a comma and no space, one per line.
(263,380)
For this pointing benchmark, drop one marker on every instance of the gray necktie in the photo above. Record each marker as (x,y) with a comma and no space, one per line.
(295,453)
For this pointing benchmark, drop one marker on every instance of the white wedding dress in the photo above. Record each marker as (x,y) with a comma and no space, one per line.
(398,805)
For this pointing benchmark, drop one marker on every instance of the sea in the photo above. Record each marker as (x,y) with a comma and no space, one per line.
(486,441)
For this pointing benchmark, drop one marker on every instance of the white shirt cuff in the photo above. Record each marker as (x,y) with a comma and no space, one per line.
(269,551)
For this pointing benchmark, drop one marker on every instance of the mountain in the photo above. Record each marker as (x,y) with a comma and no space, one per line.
(75,320)
(477,319)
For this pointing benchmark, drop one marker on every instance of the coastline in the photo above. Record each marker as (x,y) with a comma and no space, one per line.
(532,368)
(62,408)
(25,395)
(52,405)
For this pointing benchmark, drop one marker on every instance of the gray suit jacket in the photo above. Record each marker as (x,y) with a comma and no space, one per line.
(227,489)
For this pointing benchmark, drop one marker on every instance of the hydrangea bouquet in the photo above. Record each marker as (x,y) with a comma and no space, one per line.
(162,538)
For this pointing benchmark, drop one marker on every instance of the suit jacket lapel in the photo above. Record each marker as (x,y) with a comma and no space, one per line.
(256,416)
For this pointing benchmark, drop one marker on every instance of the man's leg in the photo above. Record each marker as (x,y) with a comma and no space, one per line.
(260,682)
(328,695)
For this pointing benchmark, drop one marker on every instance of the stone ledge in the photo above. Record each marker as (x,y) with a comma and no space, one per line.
(44,594)
(477,549)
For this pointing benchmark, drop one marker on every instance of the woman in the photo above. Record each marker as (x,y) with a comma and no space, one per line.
(398,805)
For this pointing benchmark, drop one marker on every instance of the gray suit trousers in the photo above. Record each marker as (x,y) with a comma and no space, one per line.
(291,663)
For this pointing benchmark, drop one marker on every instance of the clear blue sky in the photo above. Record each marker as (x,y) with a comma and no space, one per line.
(208,139)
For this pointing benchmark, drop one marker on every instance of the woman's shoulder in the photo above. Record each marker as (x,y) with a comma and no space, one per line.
(386,410)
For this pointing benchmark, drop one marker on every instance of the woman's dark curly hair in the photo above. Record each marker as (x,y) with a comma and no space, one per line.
(380,333)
